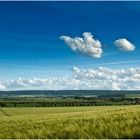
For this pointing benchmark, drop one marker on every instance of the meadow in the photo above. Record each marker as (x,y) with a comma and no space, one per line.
(70,122)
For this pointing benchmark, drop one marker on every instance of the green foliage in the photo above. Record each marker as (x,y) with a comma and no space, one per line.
(67,101)
(71,122)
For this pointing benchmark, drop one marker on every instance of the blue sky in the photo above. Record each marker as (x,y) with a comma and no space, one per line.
(30,44)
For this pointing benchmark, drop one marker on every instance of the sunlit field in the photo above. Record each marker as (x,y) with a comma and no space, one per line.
(71,122)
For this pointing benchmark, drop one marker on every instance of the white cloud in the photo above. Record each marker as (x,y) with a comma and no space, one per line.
(2,86)
(100,78)
(105,78)
(86,45)
(124,45)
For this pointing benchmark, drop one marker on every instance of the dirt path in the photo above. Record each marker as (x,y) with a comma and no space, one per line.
(6,114)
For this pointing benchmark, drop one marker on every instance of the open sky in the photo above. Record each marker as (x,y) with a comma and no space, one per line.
(55,40)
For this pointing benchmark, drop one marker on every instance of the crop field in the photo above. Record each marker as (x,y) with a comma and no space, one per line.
(133,95)
(71,122)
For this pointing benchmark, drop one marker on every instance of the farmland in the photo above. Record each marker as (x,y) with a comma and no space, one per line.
(70,122)
(69,114)
(68,98)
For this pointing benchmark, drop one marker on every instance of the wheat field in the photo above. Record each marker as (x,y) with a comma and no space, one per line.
(70,122)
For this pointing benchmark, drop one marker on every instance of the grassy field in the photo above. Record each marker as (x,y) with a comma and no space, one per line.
(133,95)
(71,122)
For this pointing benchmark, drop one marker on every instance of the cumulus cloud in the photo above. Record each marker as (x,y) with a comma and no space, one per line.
(95,79)
(86,45)
(124,45)
(2,86)
(109,79)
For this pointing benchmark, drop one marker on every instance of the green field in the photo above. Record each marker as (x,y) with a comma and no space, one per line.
(133,95)
(71,122)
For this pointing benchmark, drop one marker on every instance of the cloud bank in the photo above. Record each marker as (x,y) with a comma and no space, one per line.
(86,45)
(124,45)
(99,79)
